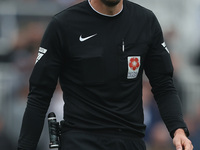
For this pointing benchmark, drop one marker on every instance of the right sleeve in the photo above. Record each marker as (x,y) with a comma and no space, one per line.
(43,81)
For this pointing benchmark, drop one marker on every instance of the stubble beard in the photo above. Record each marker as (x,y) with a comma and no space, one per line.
(110,3)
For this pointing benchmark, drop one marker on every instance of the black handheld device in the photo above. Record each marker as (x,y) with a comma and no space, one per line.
(54,131)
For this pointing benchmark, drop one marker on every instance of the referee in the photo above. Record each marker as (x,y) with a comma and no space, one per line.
(98,50)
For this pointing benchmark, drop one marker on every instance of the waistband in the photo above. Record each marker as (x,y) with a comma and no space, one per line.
(115,132)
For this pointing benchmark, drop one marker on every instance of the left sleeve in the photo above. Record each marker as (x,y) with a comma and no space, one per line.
(158,68)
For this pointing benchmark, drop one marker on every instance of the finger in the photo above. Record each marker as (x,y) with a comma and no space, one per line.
(178,147)
(177,144)
(188,146)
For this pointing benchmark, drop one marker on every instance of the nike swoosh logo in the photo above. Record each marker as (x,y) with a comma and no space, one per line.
(86,38)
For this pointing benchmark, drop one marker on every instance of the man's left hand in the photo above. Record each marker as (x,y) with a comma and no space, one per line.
(181,141)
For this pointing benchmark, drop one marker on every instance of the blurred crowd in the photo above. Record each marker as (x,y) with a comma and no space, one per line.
(20,36)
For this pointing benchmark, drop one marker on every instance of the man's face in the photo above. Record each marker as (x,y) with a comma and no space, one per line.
(110,3)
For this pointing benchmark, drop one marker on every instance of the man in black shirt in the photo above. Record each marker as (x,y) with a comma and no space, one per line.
(98,50)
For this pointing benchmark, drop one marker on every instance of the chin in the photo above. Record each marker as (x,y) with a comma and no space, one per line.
(111,3)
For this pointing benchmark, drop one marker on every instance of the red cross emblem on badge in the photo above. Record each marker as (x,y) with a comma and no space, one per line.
(134,63)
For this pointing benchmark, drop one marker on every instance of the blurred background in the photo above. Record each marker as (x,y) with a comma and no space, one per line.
(22,24)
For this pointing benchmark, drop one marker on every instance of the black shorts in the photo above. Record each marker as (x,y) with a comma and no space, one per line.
(83,140)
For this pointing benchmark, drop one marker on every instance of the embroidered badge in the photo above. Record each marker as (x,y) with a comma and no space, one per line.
(41,52)
(133,66)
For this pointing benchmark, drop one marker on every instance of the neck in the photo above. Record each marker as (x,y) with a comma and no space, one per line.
(99,6)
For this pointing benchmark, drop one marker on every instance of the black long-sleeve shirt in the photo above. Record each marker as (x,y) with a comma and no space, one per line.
(99,61)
